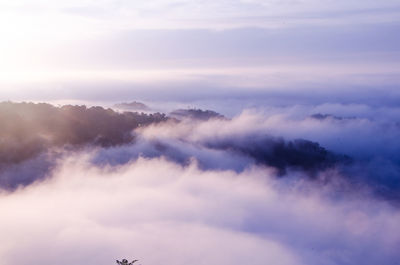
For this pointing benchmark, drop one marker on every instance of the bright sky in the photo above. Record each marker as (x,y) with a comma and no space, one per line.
(48,43)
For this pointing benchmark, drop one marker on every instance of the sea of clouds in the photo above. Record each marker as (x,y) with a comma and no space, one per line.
(299,185)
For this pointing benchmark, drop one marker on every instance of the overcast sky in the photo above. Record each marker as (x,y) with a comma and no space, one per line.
(196,50)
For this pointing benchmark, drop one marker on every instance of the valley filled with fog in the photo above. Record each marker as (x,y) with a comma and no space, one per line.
(281,186)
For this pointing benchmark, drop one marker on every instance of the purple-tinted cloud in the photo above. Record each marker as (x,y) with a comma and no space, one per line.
(158,211)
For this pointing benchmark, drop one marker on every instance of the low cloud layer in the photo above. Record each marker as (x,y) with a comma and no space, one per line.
(300,185)
(160,212)
(289,140)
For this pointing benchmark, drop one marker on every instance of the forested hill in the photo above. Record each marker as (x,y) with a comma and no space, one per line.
(27,129)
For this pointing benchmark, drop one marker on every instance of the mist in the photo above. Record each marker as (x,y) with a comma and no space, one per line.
(200,132)
(199,188)
(159,211)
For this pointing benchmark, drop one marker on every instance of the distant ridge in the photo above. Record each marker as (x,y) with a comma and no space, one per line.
(134,105)
(196,114)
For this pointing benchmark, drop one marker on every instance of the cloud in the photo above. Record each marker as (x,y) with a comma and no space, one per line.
(160,212)
(194,137)
(358,147)
(321,64)
(292,141)
(267,186)
(210,14)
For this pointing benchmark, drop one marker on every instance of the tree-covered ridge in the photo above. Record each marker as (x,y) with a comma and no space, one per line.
(27,129)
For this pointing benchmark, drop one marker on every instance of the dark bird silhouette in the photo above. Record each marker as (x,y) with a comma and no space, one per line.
(125,262)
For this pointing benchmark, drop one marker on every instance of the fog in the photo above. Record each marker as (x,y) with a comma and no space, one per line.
(281,185)
(161,212)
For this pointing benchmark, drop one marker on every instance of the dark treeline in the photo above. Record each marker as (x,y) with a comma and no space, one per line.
(27,129)
(282,155)
(196,114)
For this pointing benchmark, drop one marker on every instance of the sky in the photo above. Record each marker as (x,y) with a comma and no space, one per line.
(194,52)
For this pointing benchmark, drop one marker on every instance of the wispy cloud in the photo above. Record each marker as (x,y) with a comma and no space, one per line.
(212,14)
(110,40)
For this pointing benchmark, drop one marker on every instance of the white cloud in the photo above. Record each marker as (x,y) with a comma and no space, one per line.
(295,123)
(159,212)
